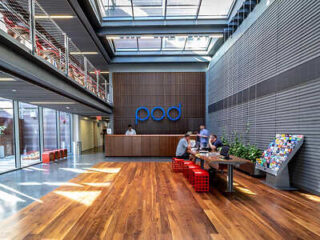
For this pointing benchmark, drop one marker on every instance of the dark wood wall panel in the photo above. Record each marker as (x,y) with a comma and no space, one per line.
(133,90)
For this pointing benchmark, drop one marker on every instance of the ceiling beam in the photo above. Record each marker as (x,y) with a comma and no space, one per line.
(86,23)
(161,30)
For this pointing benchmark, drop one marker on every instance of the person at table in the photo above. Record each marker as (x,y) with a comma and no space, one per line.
(204,136)
(214,142)
(130,131)
(183,147)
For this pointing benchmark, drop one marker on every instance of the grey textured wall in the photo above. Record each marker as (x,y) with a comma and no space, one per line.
(268,82)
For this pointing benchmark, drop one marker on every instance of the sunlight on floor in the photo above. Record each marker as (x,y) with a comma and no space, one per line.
(83,197)
(310,197)
(30,184)
(76,170)
(9,198)
(245,190)
(38,169)
(106,184)
(20,193)
(68,184)
(105,170)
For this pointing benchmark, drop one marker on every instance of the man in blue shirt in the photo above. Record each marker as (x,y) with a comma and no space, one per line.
(204,136)
(214,142)
(183,147)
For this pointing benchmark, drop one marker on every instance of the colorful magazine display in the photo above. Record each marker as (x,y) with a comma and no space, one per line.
(280,151)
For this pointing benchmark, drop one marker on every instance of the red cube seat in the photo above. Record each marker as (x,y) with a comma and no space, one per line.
(189,173)
(177,164)
(201,180)
(47,157)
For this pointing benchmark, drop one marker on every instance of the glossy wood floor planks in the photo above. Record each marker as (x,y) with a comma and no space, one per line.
(145,200)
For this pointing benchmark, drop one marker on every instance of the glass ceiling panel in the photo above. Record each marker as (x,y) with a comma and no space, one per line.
(125,44)
(161,9)
(197,43)
(174,43)
(163,44)
(147,2)
(211,8)
(181,11)
(145,12)
(149,44)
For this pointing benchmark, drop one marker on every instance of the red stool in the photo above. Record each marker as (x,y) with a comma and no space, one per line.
(190,173)
(56,154)
(177,164)
(201,180)
(47,157)
(65,152)
(61,151)
(185,167)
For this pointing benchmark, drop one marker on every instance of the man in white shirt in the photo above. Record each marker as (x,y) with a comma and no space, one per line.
(130,131)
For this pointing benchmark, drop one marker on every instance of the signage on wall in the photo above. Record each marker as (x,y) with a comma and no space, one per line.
(163,113)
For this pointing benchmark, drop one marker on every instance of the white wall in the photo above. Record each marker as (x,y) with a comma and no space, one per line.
(90,134)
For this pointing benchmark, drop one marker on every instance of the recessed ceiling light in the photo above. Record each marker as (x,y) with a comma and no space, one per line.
(54,17)
(67,107)
(7,80)
(84,53)
(53,103)
(14,90)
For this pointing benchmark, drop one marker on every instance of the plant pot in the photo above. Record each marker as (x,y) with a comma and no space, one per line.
(250,169)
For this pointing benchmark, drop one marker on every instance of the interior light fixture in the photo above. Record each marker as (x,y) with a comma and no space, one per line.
(101,72)
(52,103)
(83,53)
(54,17)
(7,80)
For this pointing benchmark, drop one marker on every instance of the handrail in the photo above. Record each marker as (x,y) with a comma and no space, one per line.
(28,23)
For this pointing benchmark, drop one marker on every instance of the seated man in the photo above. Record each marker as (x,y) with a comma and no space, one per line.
(130,131)
(214,142)
(183,147)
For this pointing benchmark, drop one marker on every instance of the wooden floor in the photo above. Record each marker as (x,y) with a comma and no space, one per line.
(145,200)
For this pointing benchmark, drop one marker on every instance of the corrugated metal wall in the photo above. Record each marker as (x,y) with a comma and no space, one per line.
(268,82)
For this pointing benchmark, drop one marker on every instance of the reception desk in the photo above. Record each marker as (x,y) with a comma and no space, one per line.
(141,145)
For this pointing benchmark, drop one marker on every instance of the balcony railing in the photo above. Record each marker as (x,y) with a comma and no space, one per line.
(28,23)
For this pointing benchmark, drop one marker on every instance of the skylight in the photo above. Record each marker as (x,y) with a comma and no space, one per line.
(135,45)
(164,9)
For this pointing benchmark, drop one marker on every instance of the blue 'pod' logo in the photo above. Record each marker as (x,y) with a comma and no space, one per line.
(178,109)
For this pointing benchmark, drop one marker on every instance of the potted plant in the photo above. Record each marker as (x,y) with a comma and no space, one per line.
(245,151)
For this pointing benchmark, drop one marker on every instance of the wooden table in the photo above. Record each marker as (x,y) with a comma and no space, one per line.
(218,159)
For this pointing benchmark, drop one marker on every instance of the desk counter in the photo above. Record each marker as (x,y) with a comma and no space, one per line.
(141,145)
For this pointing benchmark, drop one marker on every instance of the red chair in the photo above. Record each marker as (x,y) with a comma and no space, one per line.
(47,157)
(177,165)
(201,180)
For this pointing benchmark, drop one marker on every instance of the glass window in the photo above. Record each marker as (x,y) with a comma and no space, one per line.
(65,130)
(7,155)
(49,129)
(29,134)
